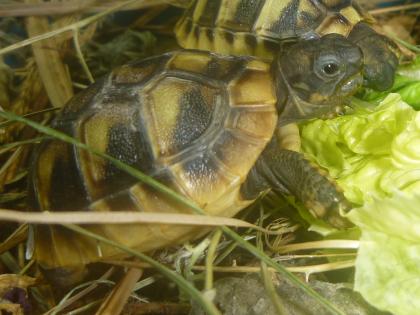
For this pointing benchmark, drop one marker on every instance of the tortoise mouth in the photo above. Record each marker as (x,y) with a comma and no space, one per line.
(318,105)
(352,85)
(298,109)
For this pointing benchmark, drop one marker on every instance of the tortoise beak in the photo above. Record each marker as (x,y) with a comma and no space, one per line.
(352,85)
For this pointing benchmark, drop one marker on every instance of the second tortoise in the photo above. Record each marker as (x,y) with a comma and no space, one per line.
(259,27)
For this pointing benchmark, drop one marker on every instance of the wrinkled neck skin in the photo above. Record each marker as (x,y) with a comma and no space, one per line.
(292,108)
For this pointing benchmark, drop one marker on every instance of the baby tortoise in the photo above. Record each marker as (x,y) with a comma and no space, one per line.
(201,123)
(256,27)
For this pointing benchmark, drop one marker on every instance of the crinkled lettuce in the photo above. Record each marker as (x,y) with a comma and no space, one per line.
(388,260)
(368,152)
(375,157)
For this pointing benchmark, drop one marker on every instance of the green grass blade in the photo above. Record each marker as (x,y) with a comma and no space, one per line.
(415,48)
(155,184)
(51,109)
(11,145)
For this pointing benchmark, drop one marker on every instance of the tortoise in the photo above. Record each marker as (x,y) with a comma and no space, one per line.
(201,123)
(257,27)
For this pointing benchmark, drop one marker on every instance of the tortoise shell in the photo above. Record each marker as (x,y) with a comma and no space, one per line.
(185,118)
(255,27)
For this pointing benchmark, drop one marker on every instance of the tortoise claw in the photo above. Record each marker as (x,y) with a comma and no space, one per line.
(332,214)
(336,219)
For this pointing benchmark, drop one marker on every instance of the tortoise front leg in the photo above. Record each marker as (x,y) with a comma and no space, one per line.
(291,173)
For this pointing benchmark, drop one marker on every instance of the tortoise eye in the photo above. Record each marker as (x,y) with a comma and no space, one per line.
(328,66)
(330,69)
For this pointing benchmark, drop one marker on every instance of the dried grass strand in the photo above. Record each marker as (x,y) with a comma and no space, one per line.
(70,300)
(318,268)
(10,166)
(396,8)
(53,72)
(67,7)
(210,257)
(44,8)
(77,25)
(116,300)
(123,217)
(80,56)
(17,237)
(343,244)
(310,269)
(270,289)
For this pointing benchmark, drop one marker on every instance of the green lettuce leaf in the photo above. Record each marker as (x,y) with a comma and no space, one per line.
(375,157)
(368,152)
(388,260)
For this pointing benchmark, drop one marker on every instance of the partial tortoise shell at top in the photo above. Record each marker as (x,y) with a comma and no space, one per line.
(255,27)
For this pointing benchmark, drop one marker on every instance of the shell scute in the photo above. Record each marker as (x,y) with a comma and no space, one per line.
(309,16)
(136,73)
(256,123)
(277,19)
(206,11)
(336,5)
(80,102)
(230,147)
(203,178)
(351,15)
(57,167)
(251,88)
(118,200)
(178,112)
(208,68)
(240,15)
(190,61)
(333,24)
(131,75)
(116,131)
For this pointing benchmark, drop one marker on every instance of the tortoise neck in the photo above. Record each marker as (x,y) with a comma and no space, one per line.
(291,107)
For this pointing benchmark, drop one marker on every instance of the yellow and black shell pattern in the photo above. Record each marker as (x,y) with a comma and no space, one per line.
(194,120)
(255,27)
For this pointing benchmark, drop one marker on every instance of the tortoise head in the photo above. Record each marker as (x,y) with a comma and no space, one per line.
(319,74)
